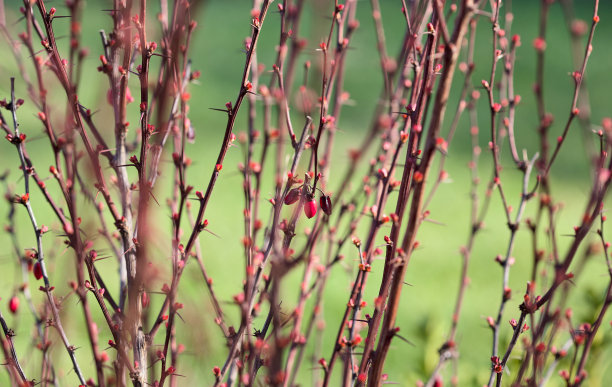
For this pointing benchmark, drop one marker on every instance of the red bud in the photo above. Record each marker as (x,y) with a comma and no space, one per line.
(145,300)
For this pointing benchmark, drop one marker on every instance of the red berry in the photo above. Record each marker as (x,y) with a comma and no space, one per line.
(292,196)
(38,274)
(310,208)
(326,204)
(14,304)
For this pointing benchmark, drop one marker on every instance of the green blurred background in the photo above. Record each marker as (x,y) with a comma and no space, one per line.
(433,273)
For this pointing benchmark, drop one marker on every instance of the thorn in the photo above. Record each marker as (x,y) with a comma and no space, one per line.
(207,230)
(404,339)
(154,198)
(434,222)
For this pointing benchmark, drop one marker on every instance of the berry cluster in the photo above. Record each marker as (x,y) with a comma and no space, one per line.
(307,193)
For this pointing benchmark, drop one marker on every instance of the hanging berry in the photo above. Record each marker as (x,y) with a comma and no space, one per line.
(310,207)
(292,196)
(326,204)
(38,274)
(14,304)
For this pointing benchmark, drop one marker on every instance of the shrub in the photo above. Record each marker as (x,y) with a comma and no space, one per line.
(133,186)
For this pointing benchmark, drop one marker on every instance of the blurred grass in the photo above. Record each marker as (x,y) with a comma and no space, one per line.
(433,273)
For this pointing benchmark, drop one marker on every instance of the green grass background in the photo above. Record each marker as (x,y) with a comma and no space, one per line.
(433,273)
